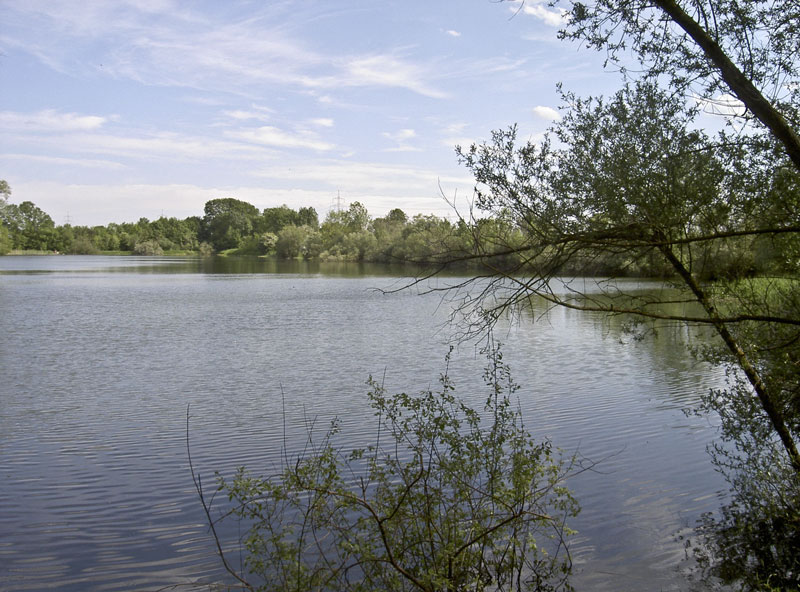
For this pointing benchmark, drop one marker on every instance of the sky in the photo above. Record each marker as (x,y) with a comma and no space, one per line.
(114,110)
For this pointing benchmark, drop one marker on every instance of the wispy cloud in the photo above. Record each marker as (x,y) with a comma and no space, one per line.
(539,9)
(389,71)
(162,43)
(453,135)
(364,177)
(404,148)
(322,122)
(463,141)
(61,161)
(161,146)
(400,135)
(241,115)
(50,120)
(401,138)
(272,136)
(453,33)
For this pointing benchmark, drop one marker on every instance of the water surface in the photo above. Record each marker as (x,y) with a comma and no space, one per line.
(101,356)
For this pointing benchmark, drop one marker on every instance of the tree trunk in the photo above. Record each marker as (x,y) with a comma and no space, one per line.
(768,404)
(739,84)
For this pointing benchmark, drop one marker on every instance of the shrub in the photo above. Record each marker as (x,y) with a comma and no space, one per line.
(82,245)
(446,498)
(148,247)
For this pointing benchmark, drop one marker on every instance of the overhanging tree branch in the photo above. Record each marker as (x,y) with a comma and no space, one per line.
(739,84)
(769,405)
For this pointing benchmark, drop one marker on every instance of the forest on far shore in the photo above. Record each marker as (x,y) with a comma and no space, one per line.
(233,227)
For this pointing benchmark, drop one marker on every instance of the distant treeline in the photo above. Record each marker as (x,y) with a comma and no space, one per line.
(233,227)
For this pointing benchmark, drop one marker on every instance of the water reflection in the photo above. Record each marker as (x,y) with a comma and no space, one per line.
(191,265)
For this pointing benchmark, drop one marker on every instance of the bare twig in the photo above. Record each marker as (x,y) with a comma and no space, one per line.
(198,485)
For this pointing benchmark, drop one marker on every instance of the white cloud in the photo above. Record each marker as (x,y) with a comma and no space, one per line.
(540,10)
(241,115)
(205,101)
(453,135)
(50,120)
(453,33)
(547,113)
(364,178)
(162,146)
(322,122)
(454,128)
(87,204)
(401,135)
(726,105)
(272,136)
(70,162)
(463,141)
(403,148)
(384,70)
(194,50)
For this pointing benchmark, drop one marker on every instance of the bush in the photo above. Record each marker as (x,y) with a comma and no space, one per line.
(148,247)
(82,246)
(446,499)
(291,241)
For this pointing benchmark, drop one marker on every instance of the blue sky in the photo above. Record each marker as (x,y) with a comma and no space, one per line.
(119,109)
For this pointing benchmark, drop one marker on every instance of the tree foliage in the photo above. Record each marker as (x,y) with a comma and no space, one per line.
(632,183)
(227,221)
(234,226)
(447,498)
(715,48)
(6,241)
(5,192)
(29,226)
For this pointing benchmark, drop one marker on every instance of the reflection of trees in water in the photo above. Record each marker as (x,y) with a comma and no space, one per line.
(666,344)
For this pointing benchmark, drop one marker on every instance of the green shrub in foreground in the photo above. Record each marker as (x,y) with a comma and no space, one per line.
(447,498)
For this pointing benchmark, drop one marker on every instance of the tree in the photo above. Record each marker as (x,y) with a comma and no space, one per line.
(227,221)
(6,241)
(5,192)
(442,501)
(267,242)
(307,216)
(747,48)
(427,238)
(388,232)
(356,217)
(632,178)
(360,245)
(672,45)
(616,189)
(29,226)
(291,241)
(397,216)
(274,219)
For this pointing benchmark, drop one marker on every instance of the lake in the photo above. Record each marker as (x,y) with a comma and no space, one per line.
(100,358)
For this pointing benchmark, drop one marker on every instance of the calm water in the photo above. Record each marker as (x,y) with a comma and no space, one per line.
(100,357)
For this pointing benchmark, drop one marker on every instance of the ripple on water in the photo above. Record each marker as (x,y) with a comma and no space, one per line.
(99,369)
